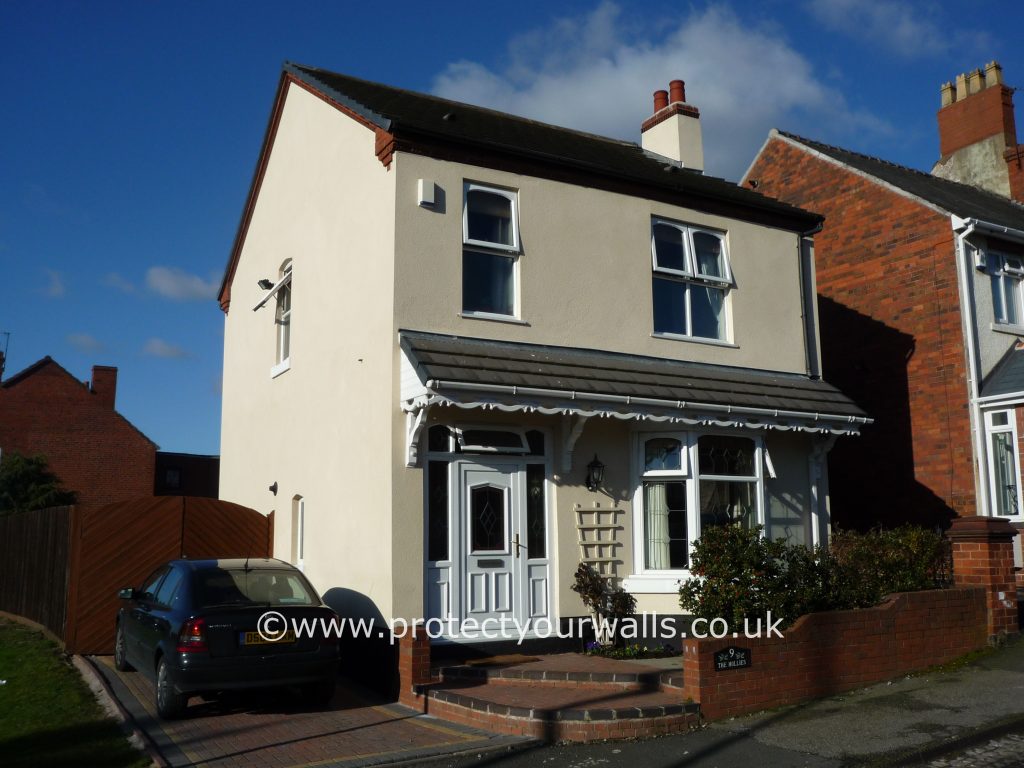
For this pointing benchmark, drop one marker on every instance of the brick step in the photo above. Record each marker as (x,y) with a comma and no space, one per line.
(564,712)
(634,679)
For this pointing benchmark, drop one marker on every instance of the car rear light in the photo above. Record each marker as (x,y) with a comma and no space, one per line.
(192,637)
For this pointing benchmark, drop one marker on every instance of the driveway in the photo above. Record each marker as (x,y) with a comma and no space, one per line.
(275,730)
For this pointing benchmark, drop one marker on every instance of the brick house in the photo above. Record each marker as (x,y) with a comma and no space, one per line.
(94,450)
(465,351)
(920,293)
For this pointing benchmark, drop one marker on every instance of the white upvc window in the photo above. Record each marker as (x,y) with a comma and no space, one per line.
(490,253)
(281,293)
(687,483)
(1006,273)
(1003,463)
(691,280)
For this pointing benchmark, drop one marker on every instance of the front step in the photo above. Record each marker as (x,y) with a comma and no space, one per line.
(566,698)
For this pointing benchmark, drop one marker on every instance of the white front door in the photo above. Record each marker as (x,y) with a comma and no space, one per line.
(502,582)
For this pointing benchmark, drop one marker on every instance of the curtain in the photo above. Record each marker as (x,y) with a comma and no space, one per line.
(656,523)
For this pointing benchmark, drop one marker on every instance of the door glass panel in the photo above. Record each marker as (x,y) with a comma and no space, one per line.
(1004,470)
(487,519)
(437,439)
(437,511)
(536,539)
(149,588)
(169,588)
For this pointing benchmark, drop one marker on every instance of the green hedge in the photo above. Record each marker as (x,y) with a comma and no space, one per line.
(738,574)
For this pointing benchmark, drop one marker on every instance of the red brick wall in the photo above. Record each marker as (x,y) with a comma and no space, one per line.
(91,448)
(891,339)
(826,653)
(979,116)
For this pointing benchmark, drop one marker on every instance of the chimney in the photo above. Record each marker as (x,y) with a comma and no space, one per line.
(104,384)
(674,128)
(977,132)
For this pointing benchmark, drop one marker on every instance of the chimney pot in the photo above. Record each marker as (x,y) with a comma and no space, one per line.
(677,91)
(975,82)
(946,94)
(961,87)
(660,100)
(993,74)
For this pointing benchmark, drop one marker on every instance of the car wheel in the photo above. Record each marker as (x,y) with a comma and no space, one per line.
(169,703)
(120,651)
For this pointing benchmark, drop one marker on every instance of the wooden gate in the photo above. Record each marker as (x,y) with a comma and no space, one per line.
(120,544)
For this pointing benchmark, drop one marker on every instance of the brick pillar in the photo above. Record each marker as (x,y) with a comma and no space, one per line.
(413,666)
(983,557)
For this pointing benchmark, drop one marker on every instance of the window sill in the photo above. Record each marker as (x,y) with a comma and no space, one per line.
(492,317)
(281,367)
(694,340)
(650,584)
(1012,330)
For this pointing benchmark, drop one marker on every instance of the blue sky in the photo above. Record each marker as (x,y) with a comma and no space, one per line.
(130,132)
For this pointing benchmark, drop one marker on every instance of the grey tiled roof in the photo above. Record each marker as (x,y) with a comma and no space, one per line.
(963,200)
(478,362)
(1007,377)
(415,114)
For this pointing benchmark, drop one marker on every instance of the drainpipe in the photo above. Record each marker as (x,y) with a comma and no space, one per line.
(963,230)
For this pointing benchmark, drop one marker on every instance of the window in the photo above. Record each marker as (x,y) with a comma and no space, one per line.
(676,502)
(1003,463)
(169,588)
(691,280)
(1006,272)
(281,291)
(490,251)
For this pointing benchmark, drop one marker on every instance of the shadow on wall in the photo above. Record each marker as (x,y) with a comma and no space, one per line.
(369,658)
(872,479)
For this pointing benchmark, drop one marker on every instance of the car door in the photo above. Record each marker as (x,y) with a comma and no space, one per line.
(140,627)
(162,616)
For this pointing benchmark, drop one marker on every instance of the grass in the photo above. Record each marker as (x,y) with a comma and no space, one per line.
(48,715)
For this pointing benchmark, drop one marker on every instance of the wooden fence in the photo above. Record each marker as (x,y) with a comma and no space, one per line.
(62,567)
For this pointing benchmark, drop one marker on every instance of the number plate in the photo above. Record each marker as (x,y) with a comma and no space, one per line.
(255,638)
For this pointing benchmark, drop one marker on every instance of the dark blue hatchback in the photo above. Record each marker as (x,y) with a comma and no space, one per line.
(205,626)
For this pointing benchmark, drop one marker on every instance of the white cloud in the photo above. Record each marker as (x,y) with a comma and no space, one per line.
(155,347)
(84,342)
(114,280)
(54,284)
(180,286)
(910,30)
(597,74)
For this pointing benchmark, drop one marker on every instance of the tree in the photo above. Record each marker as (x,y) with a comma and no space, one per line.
(26,483)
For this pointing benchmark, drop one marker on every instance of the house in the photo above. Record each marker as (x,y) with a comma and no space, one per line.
(465,351)
(920,282)
(186,474)
(94,450)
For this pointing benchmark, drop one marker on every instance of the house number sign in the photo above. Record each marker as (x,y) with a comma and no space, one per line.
(732,658)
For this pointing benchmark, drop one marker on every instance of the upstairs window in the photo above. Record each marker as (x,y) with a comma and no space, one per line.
(281,293)
(490,238)
(691,280)
(1006,273)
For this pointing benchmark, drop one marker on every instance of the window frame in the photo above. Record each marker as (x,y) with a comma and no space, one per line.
(1010,282)
(690,277)
(990,431)
(655,580)
(511,252)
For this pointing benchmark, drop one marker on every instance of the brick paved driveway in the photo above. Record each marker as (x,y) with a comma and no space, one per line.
(275,729)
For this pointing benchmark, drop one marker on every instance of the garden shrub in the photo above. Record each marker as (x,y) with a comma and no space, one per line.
(607,603)
(738,574)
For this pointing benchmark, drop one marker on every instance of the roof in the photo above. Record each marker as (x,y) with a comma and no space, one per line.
(1007,377)
(627,386)
(963,200)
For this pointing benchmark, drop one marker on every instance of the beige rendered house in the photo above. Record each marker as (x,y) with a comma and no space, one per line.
(465,351)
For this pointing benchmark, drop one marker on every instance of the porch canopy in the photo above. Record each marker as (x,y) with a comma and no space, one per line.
(455,371)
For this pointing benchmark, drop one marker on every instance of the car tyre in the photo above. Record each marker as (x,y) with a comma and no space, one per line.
(169,703)
(121,651)
(320,694)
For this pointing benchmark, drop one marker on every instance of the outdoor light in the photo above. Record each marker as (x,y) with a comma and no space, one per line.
(273,488)
(265,284)
(595,474)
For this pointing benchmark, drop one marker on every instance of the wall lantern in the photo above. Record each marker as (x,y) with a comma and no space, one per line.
(595,474)
(265,284)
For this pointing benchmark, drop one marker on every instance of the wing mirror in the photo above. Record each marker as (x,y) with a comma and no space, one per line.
(127,593)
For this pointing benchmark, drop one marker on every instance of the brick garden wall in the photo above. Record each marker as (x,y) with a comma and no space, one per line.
(826,653)
(94,450)
(891,339)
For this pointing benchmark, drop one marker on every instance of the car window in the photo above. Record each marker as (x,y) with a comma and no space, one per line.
(169,588)
(255,586)
(150,585)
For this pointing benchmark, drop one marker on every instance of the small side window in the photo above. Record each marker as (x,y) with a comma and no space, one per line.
(151,586)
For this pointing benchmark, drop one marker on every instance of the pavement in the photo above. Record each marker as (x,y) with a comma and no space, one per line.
(275,730)
(964,717)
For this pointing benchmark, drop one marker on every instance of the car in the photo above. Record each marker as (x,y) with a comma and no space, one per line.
(194,628)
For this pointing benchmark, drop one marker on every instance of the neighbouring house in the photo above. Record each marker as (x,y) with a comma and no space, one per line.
(186,474)
(95,451)
(920,282)
(465,351)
